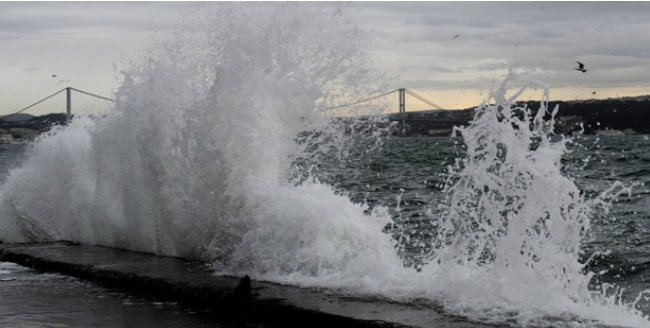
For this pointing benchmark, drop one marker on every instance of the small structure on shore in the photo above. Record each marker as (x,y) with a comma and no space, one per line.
(5,136)
(24,134)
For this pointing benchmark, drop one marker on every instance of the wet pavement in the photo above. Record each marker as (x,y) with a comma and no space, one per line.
(36,299)
(147,288)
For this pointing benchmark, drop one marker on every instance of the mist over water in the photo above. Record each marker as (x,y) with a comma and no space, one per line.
(219,148)
(203,130)
(511,227)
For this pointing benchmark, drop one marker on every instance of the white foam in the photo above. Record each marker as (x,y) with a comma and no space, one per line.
(511,230)
(199,159)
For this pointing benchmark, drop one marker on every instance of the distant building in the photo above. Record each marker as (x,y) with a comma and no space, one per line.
(5,136)
(24,134)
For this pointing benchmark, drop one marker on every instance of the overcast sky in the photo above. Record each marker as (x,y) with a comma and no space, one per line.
(46,46)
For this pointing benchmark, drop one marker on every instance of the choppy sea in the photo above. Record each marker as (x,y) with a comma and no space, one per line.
(226,147)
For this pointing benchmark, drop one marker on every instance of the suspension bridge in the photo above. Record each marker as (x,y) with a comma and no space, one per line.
(402,92)
(68,91)
(19,129)
(412,119)
(422,122)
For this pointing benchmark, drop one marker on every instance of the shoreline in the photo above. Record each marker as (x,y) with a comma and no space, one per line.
(193,283)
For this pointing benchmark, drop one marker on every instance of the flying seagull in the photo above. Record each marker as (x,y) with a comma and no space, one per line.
(581,68)
(455,36)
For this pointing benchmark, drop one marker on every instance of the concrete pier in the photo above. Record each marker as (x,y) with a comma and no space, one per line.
(194,284)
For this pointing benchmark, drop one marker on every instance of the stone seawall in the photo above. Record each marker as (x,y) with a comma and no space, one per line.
(193,284)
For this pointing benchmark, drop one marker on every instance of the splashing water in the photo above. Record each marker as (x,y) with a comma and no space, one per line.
(510,230)
(213,152)
(196,159)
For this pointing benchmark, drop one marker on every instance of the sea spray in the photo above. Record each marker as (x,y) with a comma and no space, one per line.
(218,148)
(213,146)
(508,236)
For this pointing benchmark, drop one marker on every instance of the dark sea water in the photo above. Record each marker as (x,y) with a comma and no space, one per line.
(408,177)
(11,155)
(413,172)
(225,147)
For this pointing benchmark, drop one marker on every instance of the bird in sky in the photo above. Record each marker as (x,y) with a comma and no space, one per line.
(54,75)
(581,67)
(455,36)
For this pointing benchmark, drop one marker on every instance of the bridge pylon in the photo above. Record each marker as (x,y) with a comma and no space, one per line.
(68,104)
(402,108)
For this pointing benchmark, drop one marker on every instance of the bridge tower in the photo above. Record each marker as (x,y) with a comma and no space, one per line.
(68,107)
(402,108)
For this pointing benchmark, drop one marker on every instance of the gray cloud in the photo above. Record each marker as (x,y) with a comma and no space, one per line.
(32,69)
(413,40)
(549,37)
(20,20)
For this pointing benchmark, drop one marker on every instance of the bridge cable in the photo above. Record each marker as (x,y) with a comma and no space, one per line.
(360,101)
(423,99)
(56,93)
(94,95)
(36,103)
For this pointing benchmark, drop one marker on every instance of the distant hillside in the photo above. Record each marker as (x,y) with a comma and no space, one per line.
(53,118)
(37,123)
(608,116)
(627,115)
(17,117)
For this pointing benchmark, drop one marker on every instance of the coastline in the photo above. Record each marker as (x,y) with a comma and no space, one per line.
(193,283)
